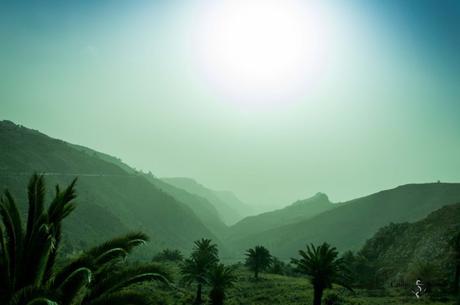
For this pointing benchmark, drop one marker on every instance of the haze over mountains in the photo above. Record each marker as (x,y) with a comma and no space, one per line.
(230,208)
(298,211)
(114,198)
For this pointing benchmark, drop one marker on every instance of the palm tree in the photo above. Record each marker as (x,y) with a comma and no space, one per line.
(27,257)
(195,269)
(169,255)
(27,254)
(455,244)
(220,278)
(101,274)
(258,259)
(324,268)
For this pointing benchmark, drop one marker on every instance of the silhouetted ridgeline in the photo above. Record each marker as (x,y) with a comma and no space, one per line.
(294,213)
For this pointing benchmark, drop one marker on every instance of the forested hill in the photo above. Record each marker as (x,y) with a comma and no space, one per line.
(399,248)
(351,223)
(110,199)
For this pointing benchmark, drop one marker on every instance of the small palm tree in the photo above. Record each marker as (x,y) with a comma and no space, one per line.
(195,269)
(220,278)
(27,257)
(169,255)
(324,268)
(258,259)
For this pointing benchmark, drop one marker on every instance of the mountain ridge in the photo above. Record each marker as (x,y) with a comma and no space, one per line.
(297,211)
(129,201)
(361,217)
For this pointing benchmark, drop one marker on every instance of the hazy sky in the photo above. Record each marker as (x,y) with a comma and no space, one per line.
(275,100)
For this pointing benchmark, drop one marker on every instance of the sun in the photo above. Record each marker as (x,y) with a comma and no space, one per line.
(259,50)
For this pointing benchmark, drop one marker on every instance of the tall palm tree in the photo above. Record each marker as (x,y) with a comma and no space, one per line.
(220,278)
(322,265)
(28,275)
(258,259)
(195,269)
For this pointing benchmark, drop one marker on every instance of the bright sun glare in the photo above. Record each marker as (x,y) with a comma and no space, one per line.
(260,50)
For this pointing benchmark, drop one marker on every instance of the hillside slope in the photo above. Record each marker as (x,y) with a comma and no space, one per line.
(205,210)
(298,211)
(396,247)
(351,223)
(202,208)
(110,199)
(229,211)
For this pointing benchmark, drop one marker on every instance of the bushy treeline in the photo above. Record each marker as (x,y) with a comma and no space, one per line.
(399,254)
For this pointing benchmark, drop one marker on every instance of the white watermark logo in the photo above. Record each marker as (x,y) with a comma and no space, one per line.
(419,290)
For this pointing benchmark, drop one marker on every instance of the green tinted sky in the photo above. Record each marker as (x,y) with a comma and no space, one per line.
(126,78)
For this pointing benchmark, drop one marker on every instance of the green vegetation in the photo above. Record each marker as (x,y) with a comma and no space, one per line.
(455,246)
(426,270)
(322,265)
(28,257)
(258,259)
(220,278)
(169,255)
(398,252)
(196,268)
(42,261)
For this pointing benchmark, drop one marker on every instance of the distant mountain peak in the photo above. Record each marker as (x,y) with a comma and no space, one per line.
(320,198)
(321,195)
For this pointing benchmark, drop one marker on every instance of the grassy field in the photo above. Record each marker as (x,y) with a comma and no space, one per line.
(285,290)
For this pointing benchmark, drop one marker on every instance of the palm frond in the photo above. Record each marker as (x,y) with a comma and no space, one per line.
(111,255)
(113,281)
(83,261)
(28,294)
(70,288)
(127,242)
(36,196)
(42,301)
(62,204)
(13,235)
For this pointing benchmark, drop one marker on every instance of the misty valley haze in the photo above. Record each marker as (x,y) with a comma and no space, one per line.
(135,78)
